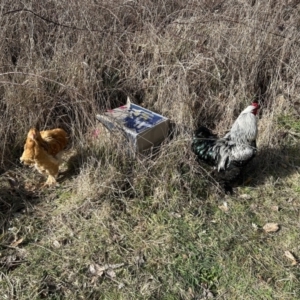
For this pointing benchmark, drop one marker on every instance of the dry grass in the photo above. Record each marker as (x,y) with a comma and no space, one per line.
(162,218)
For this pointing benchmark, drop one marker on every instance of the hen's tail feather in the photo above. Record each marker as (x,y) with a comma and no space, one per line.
(203,145)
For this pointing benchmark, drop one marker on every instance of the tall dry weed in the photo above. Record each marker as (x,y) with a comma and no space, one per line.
(195,62)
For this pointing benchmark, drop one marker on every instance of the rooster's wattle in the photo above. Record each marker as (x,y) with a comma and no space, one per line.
(232,152)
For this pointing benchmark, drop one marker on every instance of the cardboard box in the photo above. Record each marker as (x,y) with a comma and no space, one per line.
(143,128)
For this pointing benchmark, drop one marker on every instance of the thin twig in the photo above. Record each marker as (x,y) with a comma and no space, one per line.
(34,75)
(47,20)
(223,19)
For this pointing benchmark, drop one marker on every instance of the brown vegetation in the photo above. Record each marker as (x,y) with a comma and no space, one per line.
(195,62)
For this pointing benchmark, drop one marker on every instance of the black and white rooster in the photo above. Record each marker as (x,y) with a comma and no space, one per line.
(232,152)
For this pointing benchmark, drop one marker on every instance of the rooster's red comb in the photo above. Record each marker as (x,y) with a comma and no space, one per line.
(255,104)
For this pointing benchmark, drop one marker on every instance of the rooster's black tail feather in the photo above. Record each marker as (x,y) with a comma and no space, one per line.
(202,145)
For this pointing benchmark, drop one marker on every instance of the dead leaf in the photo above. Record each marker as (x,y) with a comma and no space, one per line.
(16,243)
(111,273)
(97,270)
(271,227)
(245,197)
(207,294)
(224,207)
(56,244)
(92,269)
(290,256)
(121,285)
(275,208)
(175,215)
(139,259)
(94,279)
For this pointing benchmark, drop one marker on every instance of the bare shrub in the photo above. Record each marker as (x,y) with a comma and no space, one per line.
(194,62)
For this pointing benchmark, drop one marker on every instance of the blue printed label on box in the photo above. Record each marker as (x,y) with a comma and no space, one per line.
(135,117)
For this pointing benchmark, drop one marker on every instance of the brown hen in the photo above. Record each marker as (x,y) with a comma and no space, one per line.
(43,151)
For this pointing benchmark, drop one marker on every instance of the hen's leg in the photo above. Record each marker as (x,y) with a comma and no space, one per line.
(52,171)
(48,165)
(51,181)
